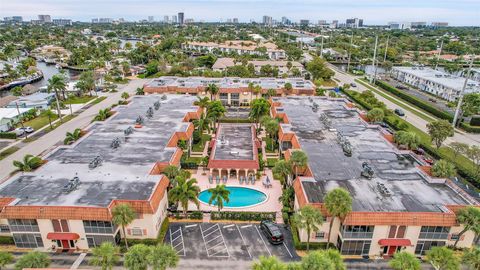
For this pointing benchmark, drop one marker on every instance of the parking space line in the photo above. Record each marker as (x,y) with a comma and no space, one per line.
(211,232)
(289,253)
(201,231)
(244,243)
(212,239)
(265,244)
(224,241)
(182,242)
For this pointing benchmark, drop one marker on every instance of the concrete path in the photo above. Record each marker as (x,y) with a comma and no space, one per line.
(49,141)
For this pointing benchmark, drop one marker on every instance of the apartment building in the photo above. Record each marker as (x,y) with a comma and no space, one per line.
(399,208)
(434,82)
(282,66)
(67,203)
(232,91)
(238,46)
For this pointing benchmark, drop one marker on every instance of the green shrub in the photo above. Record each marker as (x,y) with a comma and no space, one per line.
(6,240)
(8,135)
(163,230)
(243,216)
(470,128)
(475,121)
(415,101)
(303,245)
(195,215)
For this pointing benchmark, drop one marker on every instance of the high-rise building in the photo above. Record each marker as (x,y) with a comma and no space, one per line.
(440,24)
(62,22)
(181,18)
(267,20)
(235,20)
(400,25)
(419,24)
(304,22)
(105,20)
(354,23)
(166,19)
(45,18)
(334,24)
(322,22)
(229,20)
(174,19)
(150,19)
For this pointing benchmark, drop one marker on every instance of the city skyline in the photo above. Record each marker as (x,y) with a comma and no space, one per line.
(458,13)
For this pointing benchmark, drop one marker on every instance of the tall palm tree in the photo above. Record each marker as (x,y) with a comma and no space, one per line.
(72,137)
(123,214)
(202,102)
(162,256)
(136,257)
(219,195)
(469,217)
(443,258)
(212,89)
(310,219)
(338,203)
(404,261)
(298,159)
(57,84)
(48,113)
(258,108)
(271,92)
(271,127)
(33,259)
(257,90)
(251,88)
(105,256)
(28,163)
(203,123)
(184,192)
(283,168)
(268,263)
(335,258)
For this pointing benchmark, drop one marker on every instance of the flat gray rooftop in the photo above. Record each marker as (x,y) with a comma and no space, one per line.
(124,171)
(230,82)
(331,168)
(234,142)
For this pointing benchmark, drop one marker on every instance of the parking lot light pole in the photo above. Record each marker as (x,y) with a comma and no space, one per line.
(460,98)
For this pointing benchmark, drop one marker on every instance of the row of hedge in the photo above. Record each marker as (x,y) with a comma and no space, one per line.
(399,124)
(6,240)
(8,135)
(243,216)
(469,128)
(190,215)
(235,120)
(415,101)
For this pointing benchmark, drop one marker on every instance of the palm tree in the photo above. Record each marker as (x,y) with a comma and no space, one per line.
(335,258)
(136,257)
(86,82)
(443,168)
(257,90)
(105,256)
(404,261)
(251,88)
(283,168)
(258,108)
(29,163)
(5,258)
(443,258)
(212,89)
(48,113)
(57,83)
(102,115)
(298,159)
(219,195)
(271,127)
(215,110)
(202,102)
(162,256)
(469,217)
(338,203)
(317,260)
(268,263)
(271,92)
(308,218)
(33,259)
(125,96)
(125,68)
(184,192)
(72,137)
(123,214)
(471,257)
(203,123)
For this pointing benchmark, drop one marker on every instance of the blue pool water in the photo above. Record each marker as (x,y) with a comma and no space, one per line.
(239,197)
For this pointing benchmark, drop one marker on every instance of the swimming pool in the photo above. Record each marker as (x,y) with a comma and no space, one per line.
(239,197)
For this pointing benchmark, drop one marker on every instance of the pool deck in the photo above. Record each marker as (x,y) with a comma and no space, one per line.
(270,205)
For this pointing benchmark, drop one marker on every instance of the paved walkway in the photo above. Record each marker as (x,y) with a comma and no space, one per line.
(460,136)
(44,143)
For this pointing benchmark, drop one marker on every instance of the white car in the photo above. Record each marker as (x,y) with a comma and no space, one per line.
(19,131)
(28,129)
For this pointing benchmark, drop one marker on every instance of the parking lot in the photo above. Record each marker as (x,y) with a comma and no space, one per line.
(217,241)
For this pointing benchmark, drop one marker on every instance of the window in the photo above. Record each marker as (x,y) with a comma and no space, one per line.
(454,237)
(319,235)
(94,226)
(28,240)
(434,232)
(424,246)
(97,240)
(137,232)
(4,228)
(23,225)
(349,231)
(355,247)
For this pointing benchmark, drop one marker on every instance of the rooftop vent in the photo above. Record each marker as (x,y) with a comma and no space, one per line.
(156,105)
(128,131)
(367,171)
(95,162)
(115,143)
(139,120)
(71,185)
(149,113)
(164,97)
(383,189)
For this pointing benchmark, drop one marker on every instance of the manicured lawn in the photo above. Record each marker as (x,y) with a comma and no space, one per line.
(5,153)
(98,100)
(268,145)
(329,83)
(78,100)
(201,144)
(193,160)
(38,122)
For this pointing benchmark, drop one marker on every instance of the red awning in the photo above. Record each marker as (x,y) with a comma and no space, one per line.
(62,236)
(394,242)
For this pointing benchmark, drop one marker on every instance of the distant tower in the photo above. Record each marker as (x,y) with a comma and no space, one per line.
(181,18)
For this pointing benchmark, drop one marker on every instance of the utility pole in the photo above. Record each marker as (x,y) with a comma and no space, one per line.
(350,53)
(386,49)
(438,55)
(21,120)
(460,98)
(374,60)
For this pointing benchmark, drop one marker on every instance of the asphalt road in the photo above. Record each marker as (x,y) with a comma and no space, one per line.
(50,140)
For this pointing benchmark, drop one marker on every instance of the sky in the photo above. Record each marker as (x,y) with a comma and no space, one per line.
(456,12)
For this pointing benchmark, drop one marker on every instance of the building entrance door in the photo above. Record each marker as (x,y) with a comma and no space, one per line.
(65,244)
(391,250)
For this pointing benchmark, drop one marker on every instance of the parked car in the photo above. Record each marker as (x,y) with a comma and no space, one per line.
(28,129)
(19,131)
(272,232)
(399,112)
(353,84)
